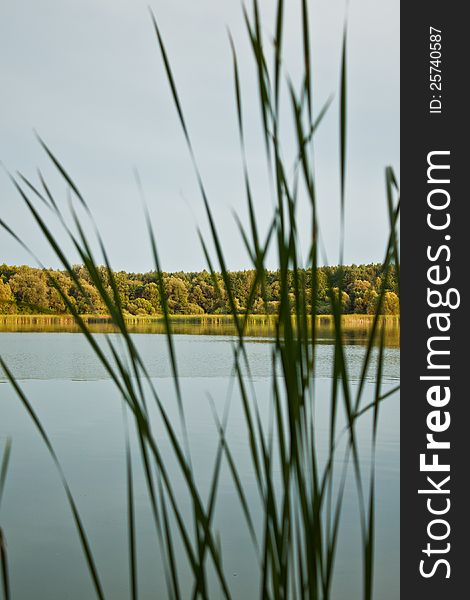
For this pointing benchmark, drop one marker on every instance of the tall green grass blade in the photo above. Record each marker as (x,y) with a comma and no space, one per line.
(307,60)
(61,169)
(130,510)
(342,140)
(4,468)
(4,566)
(278,52)
(3,549)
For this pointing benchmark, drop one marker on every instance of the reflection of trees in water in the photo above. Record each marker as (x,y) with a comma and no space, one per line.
(356,328)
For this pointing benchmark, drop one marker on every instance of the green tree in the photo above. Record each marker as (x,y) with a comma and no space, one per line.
(6,294)
(345,300)
(176,295)
(30,288)
(391,304)
(360,294)
(90,301)
(152,294)
(140,306)
(7,300)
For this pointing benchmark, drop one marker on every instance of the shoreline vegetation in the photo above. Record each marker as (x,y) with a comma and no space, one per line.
(29,290)
(356,327)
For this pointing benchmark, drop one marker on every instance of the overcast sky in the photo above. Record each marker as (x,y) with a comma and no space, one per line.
(88,77)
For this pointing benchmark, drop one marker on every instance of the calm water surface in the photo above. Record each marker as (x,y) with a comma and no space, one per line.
(82,413)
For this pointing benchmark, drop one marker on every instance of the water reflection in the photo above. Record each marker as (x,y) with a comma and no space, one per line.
(356,328)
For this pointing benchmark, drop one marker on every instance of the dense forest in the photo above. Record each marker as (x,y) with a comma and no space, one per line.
(29,290)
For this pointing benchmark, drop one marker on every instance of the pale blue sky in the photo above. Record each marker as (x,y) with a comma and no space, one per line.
(88,77)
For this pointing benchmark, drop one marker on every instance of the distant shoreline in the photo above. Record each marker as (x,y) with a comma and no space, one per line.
(27,290)
(355,328)
(256,324)
(90,318)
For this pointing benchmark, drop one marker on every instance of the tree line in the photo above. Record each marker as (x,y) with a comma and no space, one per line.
(29,290)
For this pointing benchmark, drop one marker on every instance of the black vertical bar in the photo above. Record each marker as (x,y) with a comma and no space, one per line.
(423,132)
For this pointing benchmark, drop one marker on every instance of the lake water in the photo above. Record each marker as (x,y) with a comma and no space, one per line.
(82,413)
